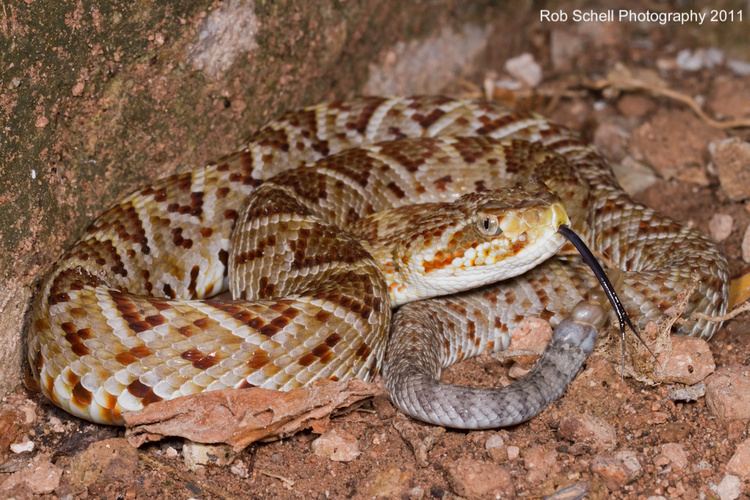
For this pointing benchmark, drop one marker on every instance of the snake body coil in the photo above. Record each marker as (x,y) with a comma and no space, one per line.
(126,317)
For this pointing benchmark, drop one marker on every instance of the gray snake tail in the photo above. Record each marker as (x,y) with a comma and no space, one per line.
(416,390)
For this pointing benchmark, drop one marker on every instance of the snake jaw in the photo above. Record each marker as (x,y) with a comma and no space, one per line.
(467,259)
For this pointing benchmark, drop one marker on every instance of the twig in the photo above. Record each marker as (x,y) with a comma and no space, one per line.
(623,79)
(288,483)
(736,311)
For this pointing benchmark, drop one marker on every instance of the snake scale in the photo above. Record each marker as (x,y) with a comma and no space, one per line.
(292,224)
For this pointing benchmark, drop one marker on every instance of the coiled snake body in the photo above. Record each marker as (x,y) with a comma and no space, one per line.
(125,318)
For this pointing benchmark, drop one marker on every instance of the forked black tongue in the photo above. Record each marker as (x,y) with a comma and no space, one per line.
(601,276)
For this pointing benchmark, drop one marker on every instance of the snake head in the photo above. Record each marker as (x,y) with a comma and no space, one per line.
(480,238)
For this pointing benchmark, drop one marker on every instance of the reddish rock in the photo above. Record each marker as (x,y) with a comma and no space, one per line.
(104,461)
(612,140)
(672,454)
(495,446)
(730,97)
(528,341)
(673,140)
(634,105)
(689,361)
(40,477)
(728,392)
(731,157)
(588,430)
(336,445)
(617,469)
(393,482)
(693,174)
(739,464)
(532,334)
(540,462)
(473,478)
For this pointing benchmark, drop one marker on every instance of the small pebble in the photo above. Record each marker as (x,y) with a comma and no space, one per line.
(495,446)
(473,478)
(77,89)
(729,97)
(738,67)
(611,139)
(617,470)
(589,430)
(518,371)
(746,245)
(674,454)
(701,466)
(524,68)
(572,492)
(23,446)
(689,361)
(729,488)
(731,157)
(728,392)
(336,445)
(239,468)
(390,482)
(633,175)
(739,464)
(696,60)
(720,226)
(687,394)
(40,477)
(513,452)
(494,441)
(540,463)
(635,105)
(196,455)
(56,425)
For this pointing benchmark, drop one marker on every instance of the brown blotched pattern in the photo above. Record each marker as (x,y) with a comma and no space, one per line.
(126,318)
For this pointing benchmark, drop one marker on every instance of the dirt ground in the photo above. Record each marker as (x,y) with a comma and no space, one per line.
(606,437)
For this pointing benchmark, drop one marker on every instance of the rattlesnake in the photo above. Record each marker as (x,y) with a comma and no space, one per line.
(124,319)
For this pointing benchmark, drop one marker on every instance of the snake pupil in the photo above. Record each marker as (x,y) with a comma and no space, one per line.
(489,225)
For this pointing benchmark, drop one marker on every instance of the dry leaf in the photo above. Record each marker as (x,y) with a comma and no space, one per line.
(239,417)
(739,290)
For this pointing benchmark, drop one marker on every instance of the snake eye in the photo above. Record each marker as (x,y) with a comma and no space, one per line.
(489,225)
